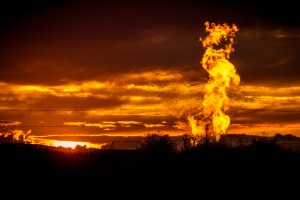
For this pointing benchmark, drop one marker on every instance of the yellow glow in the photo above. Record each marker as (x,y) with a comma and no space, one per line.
(32,88)
(106,125)
(197,126)
(67,144)
(86,124)
(155,75)
(222,76)
(128,122)
(213,121)
(72,88)
(154,125)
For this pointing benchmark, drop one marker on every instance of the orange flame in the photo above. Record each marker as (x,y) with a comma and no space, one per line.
(222,76)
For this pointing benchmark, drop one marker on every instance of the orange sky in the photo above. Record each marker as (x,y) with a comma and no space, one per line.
(134,68)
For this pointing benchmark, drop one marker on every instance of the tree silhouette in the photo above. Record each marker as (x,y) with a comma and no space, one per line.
(158,143)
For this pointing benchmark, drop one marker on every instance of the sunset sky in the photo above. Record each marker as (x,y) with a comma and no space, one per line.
(130,68)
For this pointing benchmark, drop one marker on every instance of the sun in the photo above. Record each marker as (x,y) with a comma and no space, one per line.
(67,144)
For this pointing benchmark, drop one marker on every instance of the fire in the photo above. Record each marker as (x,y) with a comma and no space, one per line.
(222,77)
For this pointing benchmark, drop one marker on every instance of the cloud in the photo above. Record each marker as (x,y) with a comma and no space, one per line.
(265,129)
(52,50)
(140,62)
(16,135)
(9,123)
(113,125)
(103,125)
(263,59)
(163,96)
(132,93)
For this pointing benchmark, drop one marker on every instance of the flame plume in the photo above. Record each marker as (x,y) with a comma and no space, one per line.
(222,77)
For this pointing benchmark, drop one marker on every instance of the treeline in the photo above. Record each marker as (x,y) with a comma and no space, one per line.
(157,160)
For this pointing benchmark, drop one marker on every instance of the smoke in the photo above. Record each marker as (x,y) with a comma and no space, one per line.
(212,121)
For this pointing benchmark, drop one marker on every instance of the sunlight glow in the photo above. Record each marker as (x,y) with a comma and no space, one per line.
(66,144)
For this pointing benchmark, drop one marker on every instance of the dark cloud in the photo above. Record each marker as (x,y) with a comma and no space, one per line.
(265,116)
(9,100)
(75,103)
(55,42)
(263,58)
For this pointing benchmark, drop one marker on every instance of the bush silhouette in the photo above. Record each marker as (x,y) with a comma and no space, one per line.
(158,143)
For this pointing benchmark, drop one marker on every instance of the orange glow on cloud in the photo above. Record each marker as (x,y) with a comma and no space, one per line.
(174,97)
(112,125)
(266,129)
(66,144)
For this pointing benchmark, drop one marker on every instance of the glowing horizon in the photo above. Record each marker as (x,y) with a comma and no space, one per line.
(67,143)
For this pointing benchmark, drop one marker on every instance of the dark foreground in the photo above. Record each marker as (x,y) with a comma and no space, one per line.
(209,167)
